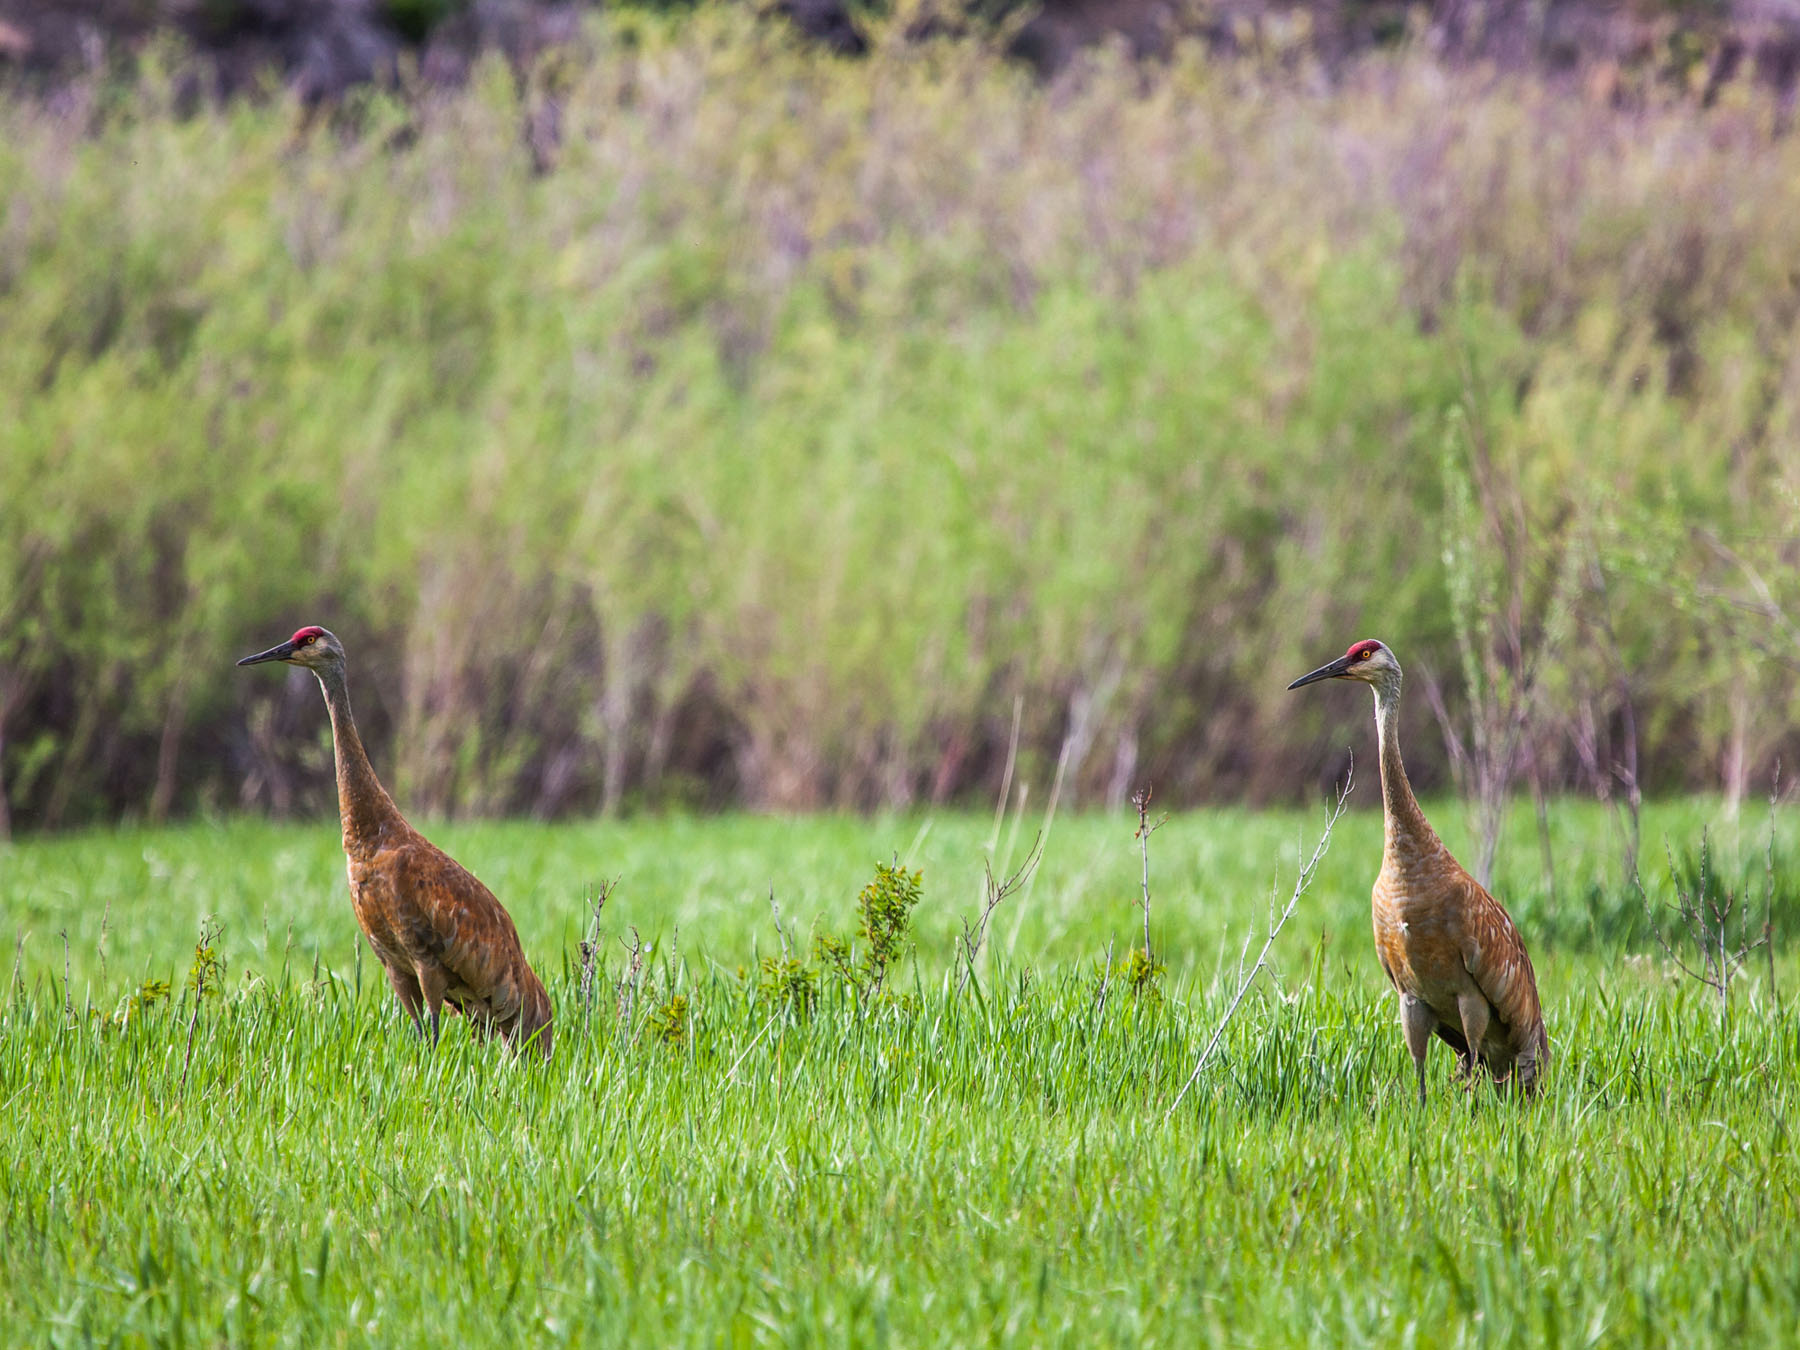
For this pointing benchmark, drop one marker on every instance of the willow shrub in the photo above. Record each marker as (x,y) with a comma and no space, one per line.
(797,418)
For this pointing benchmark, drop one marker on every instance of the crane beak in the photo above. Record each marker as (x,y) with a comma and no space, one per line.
(279,652)
(1330,671)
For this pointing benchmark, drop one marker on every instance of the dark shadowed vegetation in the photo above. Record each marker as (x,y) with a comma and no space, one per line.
(322,48)
(697,416)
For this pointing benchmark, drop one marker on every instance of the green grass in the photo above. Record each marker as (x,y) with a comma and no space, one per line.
(992,1167)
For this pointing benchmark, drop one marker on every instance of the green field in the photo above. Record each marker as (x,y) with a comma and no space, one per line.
(936,1167)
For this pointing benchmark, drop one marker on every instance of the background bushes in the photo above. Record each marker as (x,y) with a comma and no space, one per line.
(704,418)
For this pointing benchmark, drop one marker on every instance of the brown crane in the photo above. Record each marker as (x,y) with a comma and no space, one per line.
(1449,948)
(440,933)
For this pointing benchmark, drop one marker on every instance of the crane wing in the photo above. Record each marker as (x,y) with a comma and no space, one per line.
(471,933)
(1494,955)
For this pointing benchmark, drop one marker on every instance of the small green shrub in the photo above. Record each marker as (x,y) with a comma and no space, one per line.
(206,976)
(885,909)
(148,995)
(789,982)
(669,1021)
(832,954)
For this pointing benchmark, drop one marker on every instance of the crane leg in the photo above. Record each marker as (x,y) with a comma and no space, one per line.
(432,983)
(406,989)
(1475,1014)
(1417,1019)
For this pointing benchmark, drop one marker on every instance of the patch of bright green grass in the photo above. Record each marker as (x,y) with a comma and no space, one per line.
(292,1165)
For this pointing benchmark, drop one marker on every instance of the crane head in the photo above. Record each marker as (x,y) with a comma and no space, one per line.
(1369,661)
(310,647)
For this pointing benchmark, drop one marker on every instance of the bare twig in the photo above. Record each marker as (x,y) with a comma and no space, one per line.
(731,1074)
(1006,775)
(627,988)
(1706,917)
(1769,883)
(787,952)
(1276,922)
(1141,800)
(996,891)
(1105,979)
(590,944)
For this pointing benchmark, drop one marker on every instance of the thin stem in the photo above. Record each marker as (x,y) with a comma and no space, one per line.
(1301,883)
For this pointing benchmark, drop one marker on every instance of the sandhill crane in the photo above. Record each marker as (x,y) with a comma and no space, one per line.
(1449,948)
(440,933)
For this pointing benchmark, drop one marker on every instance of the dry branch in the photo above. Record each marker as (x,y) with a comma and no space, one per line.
(1276,922)
(1141,800)
(590,944)
(996,891)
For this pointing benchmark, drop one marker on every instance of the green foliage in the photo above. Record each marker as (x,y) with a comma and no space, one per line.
(669,1021)
(832,955)
(884,909)
(789,983)
(884,915)
(806,413)
(134,1005)
(206,976)
(1140,975)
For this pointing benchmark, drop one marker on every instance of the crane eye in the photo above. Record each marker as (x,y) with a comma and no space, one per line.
(309,639)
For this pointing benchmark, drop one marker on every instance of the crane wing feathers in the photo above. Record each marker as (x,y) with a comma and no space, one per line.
(458,921)
(1496,959)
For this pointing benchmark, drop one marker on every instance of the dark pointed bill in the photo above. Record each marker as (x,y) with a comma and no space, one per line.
(279,652)
(1330,670)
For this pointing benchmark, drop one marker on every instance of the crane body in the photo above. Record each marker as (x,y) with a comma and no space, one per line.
(440,934)
(1449,948)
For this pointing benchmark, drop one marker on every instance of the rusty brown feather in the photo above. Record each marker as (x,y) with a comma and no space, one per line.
(1449,948)
(441,935)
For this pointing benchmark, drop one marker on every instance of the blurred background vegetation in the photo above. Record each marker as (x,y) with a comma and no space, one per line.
(689,411)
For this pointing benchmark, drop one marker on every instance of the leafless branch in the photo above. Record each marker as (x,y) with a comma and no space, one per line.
(1105,979)
(1301,883)
(787,951)
(996,891)
(1765,605)
(1769,882)
(632,977)
(590,945)
(1141,800)
(1006,775)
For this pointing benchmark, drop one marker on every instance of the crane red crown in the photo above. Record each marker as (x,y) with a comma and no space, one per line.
(312,631)
(1359,650)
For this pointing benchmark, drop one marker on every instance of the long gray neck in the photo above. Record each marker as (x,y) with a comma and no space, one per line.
(367,813)
(1403,820)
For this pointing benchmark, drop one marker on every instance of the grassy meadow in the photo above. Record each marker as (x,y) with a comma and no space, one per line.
(689,423)
(708,1161)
